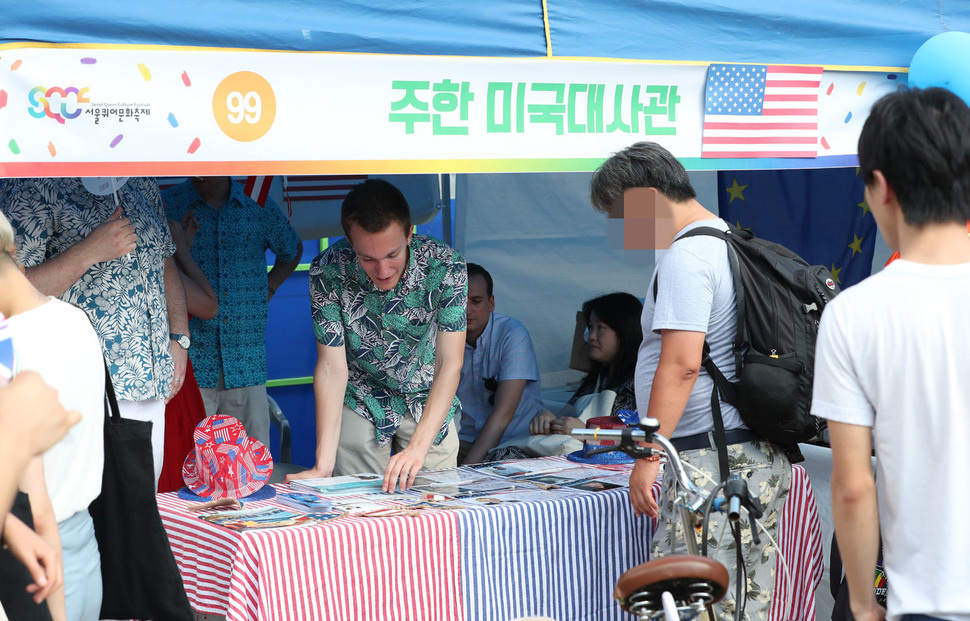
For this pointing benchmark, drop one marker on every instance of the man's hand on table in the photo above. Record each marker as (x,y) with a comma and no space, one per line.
(403,467)
(541,423)
(317,472)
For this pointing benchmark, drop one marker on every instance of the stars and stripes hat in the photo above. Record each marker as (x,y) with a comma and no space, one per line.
(225,462)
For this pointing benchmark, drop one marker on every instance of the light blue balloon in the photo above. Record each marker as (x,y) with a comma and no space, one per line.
(944,60)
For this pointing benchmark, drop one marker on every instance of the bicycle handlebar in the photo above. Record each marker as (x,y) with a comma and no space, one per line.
(736,491)
(629,440)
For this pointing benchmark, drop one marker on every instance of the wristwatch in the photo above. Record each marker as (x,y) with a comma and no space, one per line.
(181,339)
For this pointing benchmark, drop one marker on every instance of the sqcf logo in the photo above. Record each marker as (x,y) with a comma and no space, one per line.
(56,103)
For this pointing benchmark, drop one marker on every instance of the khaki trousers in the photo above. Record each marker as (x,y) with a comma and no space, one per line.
(358,452)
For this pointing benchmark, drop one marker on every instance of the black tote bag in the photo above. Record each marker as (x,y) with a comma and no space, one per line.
(140,577)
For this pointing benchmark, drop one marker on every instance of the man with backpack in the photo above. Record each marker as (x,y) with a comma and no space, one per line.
(892,367)
(690,307)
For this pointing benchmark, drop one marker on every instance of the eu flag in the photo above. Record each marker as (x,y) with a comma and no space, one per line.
(820,214)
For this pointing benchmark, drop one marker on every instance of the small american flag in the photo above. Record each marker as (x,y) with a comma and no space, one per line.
(761,111)
(257,188)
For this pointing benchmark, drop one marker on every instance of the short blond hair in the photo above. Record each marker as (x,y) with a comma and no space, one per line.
(6,234)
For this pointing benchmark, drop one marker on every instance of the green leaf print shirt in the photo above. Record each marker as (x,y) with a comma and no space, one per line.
(389,336)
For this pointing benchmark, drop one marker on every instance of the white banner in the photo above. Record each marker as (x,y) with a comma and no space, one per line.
(104,111)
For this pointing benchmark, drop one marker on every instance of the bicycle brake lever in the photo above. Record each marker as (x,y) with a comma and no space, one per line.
(753,506)
(605,449)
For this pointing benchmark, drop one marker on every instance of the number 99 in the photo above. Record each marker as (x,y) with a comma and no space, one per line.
(246,107)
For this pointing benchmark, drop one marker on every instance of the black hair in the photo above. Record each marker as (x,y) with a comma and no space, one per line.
(920,140)
(621,312)
(373,205)
(641,165)
(476,269)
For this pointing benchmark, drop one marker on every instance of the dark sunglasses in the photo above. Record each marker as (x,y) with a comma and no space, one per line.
(491,385)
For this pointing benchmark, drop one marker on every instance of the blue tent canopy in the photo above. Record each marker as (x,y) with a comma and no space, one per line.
(828,32)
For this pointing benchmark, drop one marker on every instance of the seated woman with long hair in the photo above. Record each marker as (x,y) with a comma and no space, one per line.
(614,335)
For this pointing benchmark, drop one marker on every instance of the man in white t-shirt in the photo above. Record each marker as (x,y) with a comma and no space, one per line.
(892,366)
(692,302)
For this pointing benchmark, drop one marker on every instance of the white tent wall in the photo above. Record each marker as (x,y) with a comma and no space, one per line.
(548,251)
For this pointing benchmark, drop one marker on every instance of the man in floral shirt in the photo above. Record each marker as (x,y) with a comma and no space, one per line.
(389,319)
(116,264)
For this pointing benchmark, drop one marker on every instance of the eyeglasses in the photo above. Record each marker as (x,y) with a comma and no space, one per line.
(491,385)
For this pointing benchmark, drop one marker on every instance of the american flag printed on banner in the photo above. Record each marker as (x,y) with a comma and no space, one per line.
(761,111)
(257,188)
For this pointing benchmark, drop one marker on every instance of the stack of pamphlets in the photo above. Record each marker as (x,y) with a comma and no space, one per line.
(353,484)
(306,502)
(263,517)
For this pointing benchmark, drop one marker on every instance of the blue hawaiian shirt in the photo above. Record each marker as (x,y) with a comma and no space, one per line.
(230,248)
(389,336)
(124,297)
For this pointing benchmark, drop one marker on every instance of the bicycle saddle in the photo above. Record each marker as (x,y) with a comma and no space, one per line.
(688,578)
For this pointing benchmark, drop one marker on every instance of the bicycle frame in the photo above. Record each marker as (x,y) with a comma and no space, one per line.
(697,580)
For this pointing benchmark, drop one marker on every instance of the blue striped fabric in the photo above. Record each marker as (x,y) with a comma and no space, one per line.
(559,559)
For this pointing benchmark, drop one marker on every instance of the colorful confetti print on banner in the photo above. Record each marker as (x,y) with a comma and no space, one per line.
(172,120)
(860,89)
(145,73)
(87,60)
(117,139)
(3,99)
(194,146)
(13,146)
(185,78)
(16,65)
(51,149)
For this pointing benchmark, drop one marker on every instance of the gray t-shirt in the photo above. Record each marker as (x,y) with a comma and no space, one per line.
(695,292)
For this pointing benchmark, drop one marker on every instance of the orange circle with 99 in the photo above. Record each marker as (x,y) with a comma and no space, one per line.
(244,106)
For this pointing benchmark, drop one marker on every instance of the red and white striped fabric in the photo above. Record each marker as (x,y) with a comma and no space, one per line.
(349,568)
(800,535)
(323,189)
(406,567)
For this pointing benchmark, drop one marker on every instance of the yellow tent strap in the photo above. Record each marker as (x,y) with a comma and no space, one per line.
(545,23)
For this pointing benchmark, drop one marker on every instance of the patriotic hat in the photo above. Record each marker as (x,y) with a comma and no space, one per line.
(225,463)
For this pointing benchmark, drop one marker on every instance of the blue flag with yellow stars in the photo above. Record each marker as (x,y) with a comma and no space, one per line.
(820,214)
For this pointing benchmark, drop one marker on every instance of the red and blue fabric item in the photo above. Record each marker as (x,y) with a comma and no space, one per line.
(225,462)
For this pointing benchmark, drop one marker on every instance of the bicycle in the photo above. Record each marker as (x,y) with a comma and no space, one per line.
(681,587)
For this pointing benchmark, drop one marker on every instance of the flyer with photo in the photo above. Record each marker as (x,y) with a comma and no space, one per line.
(305,502)
(253,519)
(477,487)
(520,469)
(336,486)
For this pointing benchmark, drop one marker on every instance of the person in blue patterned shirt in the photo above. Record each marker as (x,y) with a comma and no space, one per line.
(389,319)
(115,263)
(232,234)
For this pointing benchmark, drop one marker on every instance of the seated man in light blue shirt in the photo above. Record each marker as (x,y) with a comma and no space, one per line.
(499,389)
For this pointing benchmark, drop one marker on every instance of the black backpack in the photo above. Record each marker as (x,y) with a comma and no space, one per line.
(780,298)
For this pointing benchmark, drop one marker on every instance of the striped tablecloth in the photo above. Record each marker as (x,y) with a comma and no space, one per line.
(559,559)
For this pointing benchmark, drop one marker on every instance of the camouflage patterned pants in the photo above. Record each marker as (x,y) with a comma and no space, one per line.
(768,473)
